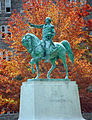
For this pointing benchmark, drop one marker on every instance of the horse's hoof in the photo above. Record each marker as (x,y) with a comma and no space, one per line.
(33,71)
(48,76)
(37,77)
(66,77)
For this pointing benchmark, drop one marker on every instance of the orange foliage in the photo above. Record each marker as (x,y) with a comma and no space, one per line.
(68,20)
(9,94)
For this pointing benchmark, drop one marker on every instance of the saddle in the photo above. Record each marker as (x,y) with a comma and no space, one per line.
(53,48)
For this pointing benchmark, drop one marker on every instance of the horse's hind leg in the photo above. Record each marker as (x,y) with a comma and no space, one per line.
(53,66)
(63,58)
(37,67)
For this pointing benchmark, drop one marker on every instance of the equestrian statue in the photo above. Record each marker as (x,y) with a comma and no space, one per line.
(47,49)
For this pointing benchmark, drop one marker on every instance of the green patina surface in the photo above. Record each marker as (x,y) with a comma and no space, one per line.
(46,48)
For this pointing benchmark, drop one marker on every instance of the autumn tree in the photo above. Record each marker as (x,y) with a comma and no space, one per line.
(68,20)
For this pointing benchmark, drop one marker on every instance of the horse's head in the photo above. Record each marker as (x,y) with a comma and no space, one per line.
(30,40)
(26,40)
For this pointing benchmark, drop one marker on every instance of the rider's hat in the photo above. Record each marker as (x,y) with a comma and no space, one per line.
(48,18)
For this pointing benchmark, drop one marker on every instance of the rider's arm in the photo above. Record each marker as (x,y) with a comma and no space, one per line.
(36,26)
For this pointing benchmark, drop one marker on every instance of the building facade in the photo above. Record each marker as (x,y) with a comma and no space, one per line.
(6,9)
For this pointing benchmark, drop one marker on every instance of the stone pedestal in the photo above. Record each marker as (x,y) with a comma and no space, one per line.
(50,100)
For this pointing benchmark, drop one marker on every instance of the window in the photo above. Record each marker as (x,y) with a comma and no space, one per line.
(5,31)
(8,28)
(3,35)
(8,6)
(8,9)
(0,6)
(4,55)
(9,34)
(3,28)
(8,31)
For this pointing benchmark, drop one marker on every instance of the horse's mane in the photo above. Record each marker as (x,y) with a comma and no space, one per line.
(33,37)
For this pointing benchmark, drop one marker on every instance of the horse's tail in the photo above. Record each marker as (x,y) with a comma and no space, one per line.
(66,44)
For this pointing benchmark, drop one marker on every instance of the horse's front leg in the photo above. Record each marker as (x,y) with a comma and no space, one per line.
(37,67)
(32,68)
(53,66)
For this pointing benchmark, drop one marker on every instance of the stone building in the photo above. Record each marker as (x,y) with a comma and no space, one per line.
(6,9)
